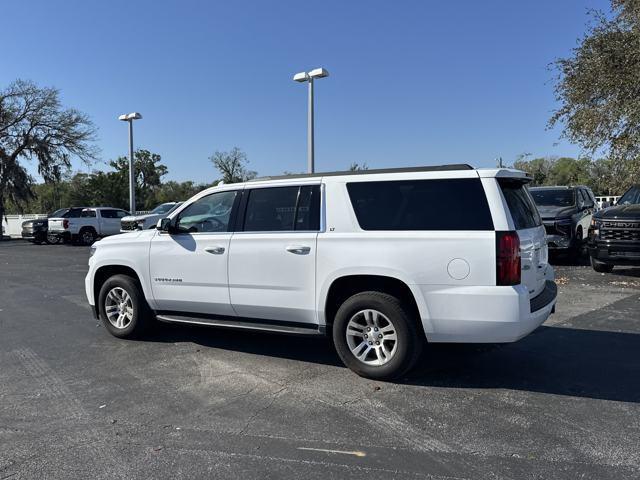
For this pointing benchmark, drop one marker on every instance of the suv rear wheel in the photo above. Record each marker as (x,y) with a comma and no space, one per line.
(601,266)
(122,307)
(375,336)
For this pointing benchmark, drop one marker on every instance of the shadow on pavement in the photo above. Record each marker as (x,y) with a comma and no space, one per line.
(567,260)
(307,349)
(623,271)
(556,360)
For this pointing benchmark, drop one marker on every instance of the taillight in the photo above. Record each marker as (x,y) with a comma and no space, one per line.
(65,224)
(507,258)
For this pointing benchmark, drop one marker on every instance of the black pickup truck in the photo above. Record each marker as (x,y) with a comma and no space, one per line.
(614,235)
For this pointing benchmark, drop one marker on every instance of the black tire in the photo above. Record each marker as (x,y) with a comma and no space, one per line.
(87,236)
(409,343)
(53,239)
(141,317)
(601,267)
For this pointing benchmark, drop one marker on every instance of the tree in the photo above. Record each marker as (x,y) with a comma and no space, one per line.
(354,167)
(148,177)
(172,191)
(232,166)
(598,89)
(570,171)
(538,168)
(35,126)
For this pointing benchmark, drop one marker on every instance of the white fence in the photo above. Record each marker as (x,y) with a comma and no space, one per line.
(12,224)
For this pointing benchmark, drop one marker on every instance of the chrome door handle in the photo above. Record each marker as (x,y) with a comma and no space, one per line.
(298,249)
(217,250)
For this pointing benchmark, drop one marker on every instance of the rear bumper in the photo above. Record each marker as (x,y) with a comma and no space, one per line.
(487,314)
(615,253)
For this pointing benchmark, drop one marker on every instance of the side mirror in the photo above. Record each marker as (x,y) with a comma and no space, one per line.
(164,225)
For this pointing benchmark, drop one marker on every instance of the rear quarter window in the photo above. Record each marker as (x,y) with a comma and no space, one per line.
(444,204)
(73,213)
(523,210)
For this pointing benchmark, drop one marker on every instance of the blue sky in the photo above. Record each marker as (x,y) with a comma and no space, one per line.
(412,82)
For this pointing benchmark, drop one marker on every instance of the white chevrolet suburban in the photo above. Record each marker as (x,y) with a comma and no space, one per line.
(382,261)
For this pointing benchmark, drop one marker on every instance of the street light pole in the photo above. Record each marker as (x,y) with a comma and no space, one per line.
(310,132)
(309,77)
(132,178)
(130,117)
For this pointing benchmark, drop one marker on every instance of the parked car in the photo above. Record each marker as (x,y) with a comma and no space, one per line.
(614,236)
(37,230)
(148,220)
(369,258)
(89,225)
(566,213)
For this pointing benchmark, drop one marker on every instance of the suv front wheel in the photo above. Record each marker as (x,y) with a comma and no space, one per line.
(375,336)
(122,307)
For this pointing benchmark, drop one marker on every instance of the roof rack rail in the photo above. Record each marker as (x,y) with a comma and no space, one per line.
(433,168)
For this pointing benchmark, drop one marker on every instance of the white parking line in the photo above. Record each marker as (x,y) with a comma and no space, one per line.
(355,453)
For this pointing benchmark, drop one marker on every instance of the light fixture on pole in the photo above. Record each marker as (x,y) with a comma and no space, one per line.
(130,117)
(309,77)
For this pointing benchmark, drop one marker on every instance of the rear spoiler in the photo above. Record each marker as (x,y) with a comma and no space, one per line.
(506,173)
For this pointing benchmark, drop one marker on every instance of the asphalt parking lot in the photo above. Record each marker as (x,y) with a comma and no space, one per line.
(195,402)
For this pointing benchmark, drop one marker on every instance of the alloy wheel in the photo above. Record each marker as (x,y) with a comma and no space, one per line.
(87,237)
(371,337)
(118,307)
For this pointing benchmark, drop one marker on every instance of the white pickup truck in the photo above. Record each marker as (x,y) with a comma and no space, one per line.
(91,224)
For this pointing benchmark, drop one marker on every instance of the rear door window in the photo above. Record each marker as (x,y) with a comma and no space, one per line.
(281,209)
(523,211)
(444,204)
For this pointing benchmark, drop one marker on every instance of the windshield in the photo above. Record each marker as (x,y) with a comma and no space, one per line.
(631,197)
(163,208)
(555,198)
(58,213)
